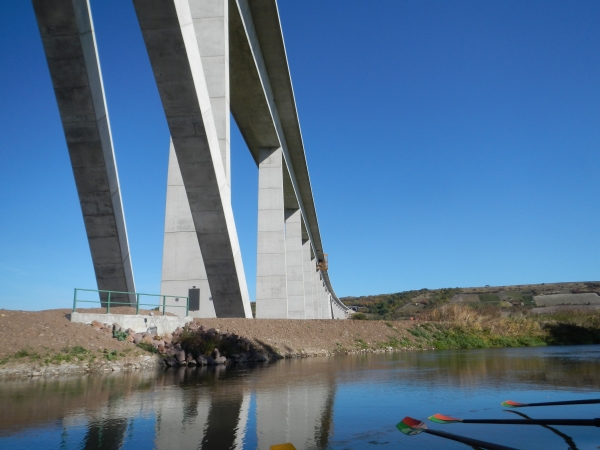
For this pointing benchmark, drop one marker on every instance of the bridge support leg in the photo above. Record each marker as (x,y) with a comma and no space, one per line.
(182,265)
(271,276)
(294,264)
(69,40)
(322,304)
(172,44)
(318,286)
(308,267)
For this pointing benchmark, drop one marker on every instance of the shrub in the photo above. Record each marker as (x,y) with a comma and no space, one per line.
(197,344)
(120,335)
(148,347)
(358,316)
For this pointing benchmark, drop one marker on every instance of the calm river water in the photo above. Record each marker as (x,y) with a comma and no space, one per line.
(346,402)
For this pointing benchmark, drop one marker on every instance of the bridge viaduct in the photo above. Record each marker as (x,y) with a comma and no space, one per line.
(211,59)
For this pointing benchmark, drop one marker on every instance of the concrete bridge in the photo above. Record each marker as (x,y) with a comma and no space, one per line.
(211,59)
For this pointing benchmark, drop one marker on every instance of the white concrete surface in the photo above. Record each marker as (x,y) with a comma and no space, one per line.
(309,268)
(271,276)
(294,264)
(182,264)
(291,414)
(138,323)
(68,35)
(211,24)
(172,44)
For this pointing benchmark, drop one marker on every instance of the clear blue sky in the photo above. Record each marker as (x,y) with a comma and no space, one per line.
(449,143)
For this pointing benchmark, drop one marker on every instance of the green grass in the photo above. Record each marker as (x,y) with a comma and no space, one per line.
(360,343)
(147,347)
(489,298)
(66,354)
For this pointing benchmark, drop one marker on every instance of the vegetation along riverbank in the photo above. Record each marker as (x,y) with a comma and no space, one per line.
(45,343)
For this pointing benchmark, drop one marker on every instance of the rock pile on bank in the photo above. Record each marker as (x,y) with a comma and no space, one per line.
(190,346)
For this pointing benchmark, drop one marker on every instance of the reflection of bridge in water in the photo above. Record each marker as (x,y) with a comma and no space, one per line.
(203,408)
(256,406)
(215,414)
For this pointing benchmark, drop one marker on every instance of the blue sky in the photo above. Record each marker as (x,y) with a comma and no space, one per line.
(449,143)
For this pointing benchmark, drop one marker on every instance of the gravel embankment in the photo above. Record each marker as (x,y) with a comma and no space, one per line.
(46,343)
(296,338)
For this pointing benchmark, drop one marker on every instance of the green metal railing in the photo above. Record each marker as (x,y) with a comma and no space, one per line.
(137,300)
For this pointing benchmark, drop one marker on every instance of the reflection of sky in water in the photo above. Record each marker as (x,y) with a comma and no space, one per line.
(348,402)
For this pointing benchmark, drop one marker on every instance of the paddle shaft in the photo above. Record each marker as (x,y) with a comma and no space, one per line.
(575,422)
(468,441)
(568,402)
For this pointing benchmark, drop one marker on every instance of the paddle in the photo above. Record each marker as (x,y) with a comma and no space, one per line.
(511,404)
(411,427)
(287,446)
(568,439)
(440,418)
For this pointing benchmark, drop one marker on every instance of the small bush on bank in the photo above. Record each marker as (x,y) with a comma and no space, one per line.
(198,344)
(359,316)
(147,347)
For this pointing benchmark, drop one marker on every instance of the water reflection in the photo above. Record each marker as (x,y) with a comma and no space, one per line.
(255,406)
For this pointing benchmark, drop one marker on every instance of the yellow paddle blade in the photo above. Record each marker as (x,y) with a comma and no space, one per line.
(287,446)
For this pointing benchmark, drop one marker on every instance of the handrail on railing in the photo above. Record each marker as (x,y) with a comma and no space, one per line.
(137,300)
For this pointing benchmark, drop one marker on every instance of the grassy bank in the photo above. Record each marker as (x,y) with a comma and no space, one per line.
(465,326)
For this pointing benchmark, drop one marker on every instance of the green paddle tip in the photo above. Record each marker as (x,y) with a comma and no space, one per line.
(511,404)
(410,426)
(440,418)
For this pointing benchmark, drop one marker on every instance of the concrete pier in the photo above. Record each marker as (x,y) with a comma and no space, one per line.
(67,32)
(172,44)
(271,275)
(182,265)
(308,265)
(294,264)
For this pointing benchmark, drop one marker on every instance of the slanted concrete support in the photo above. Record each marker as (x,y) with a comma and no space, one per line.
(309,268)
(271,278)
(294,264)
(172,45)
(211,24)
(68,36)
(182,265)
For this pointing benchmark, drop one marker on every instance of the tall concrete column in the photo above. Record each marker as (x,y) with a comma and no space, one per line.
(323,310)
(182,264)
(329,305)
(69,40)
(317,293)
(172,43)
(308,267)
(294,264)
(271,278)
(211,23)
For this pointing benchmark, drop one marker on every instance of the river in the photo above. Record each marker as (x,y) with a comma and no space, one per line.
(343,402)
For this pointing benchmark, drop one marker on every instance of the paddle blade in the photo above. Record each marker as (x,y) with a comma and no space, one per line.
(410,426)
(440,418)
(287,446)
(511,404)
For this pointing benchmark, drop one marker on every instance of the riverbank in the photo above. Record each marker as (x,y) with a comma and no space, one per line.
(46,343)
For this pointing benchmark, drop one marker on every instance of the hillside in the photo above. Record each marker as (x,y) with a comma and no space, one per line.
(402,305)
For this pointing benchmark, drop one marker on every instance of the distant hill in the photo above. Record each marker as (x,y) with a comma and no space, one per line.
(408,303)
